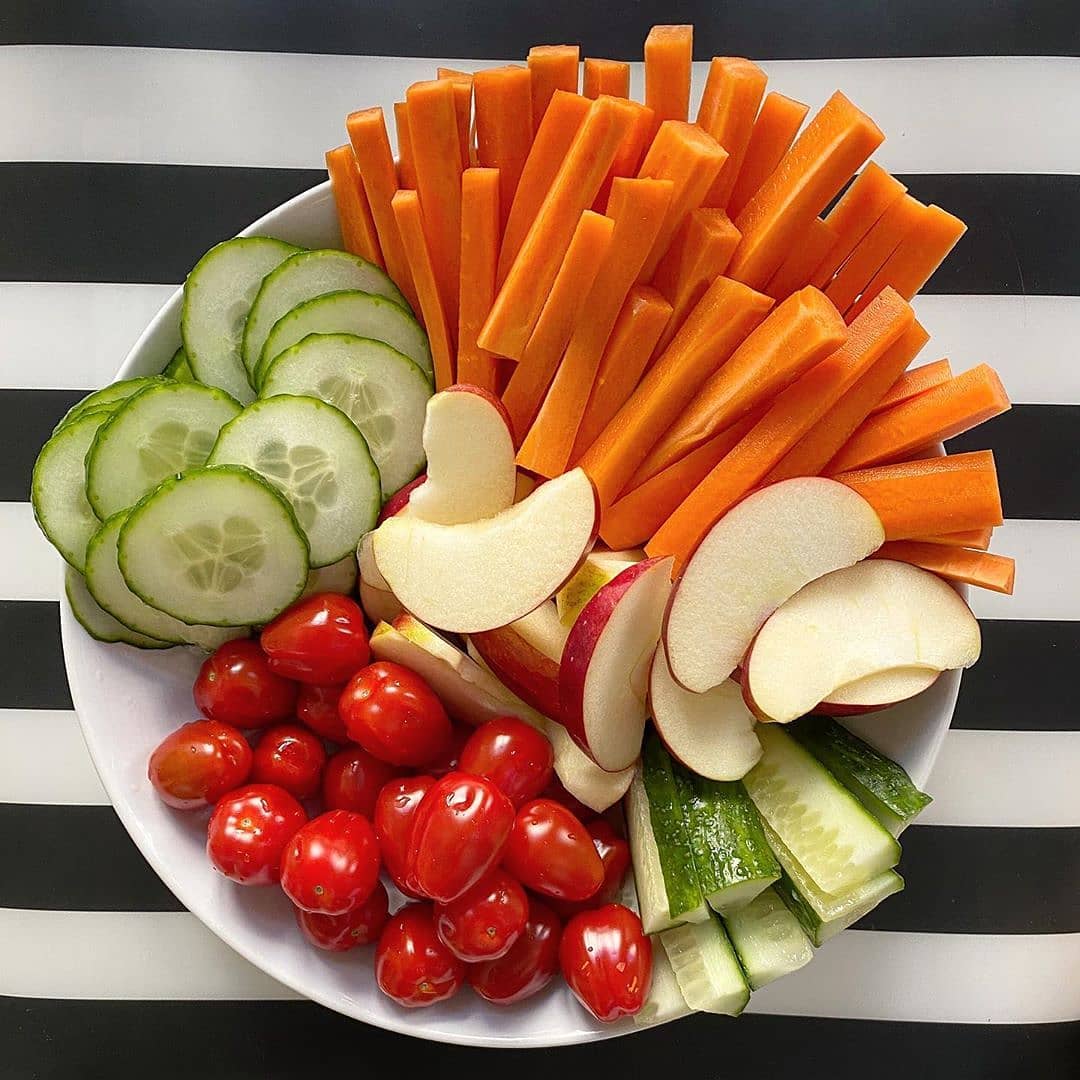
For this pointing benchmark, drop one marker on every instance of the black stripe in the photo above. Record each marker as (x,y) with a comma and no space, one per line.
(32,675)
(27,418)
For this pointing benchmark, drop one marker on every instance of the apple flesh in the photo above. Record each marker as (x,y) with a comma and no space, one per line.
(597,570)
(755,557)
(376,597)
(879,691)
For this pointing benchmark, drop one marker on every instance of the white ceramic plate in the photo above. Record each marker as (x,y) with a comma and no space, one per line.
(127,701)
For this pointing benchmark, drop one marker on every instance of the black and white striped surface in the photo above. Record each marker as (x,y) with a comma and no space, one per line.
(136,134)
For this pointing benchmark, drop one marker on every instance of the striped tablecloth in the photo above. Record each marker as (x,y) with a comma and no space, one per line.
(135,135)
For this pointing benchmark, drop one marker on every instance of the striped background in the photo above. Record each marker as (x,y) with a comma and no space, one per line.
(136,134)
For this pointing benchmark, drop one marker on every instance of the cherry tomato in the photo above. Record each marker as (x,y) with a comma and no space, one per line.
(557,793)
(485,921)
(412,965)
(338,933)
(450,757)
(395,814)
(248,831)
(551,852)
(392,713)
(614,854)
(516,758)
(529,965)
(291,757)
(353,779)
(606,959)
(197,763)
(332,864)
(237,686)
(459,834)
(316,708)
(320,639)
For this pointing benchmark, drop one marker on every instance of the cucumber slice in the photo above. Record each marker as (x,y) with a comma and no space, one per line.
(219,546)
(706,967)
(317,458)
(665,1001)
(768,939)
(301,277)
(161,431)
(879,784)
(382,391)
(178,367)
(349,312)
(826,829)
(98,623)
(652,901)
(107,586)
(339,577)
(218,295)
(113,396)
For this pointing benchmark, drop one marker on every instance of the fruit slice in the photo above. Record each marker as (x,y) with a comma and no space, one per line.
(339,577)
(753,559)
(878,691)
(376,597)
(597,570)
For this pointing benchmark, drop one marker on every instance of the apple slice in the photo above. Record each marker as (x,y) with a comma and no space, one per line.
(597,569)
(398,503)
(755,557)
(604,674)
(711,733)
(485,574)
(878,691)
(860,621)
(376,598)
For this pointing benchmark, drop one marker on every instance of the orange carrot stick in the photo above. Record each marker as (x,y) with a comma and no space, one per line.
(605,77)
(719,322)
(799,333)
(479,255)
(835,143)
(931,496)
(358,232)
(503,134)
(410,223)
(532,375)
(994,572)
(773,133)
(669,54)
(528,281)
(914,382)
(463,92)
(969,538)
(631,151)
(794,272)
(638,208)
(553,67)
(405,167)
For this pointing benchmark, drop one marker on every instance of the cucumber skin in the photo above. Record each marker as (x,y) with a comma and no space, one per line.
(100,399)
(122,635)
(178,367)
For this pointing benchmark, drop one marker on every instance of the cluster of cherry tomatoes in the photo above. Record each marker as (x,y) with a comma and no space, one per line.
(506,885)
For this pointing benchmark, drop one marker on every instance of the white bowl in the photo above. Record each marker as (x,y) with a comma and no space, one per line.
(127,701)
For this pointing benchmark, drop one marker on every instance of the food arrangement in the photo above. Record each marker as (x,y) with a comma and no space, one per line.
(607,419)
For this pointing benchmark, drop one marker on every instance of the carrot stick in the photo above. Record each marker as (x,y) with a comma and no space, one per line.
(690,159)
(528,281)
(605,77)
(773,133)
(914,382)
(638,208)
(969,538)
(669,54)
(638,327)
(835,143)
(931,496)
(503,136)
(799,333)
(405,167)
(719,322)
(533,374)
(729,106)
(371,146)
(553,67)
(410,223)
(994,572)
(358,232)
(463,92)
(556,134)
(479,255)
(794,272)
(631,151)
(937,415)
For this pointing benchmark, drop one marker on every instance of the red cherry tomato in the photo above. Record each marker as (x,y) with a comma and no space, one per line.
(392,713)
(557,793)
(551,852)
(338,933)
(450,757)
(196,764)
(485,921)
(237,686)
(316,708)
(353,779)
(291,757)
(412,965)
(395,814)
(332,864)
(614,854)
(460,832)
(248,831)
(516,758)
(320,639)
(529,965)
(606,959)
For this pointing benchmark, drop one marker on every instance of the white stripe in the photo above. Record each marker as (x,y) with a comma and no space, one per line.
(45,760)
(29,568)
(188,106)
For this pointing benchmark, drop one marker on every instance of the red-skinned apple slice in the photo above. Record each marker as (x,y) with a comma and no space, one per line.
(401,498)
(598,569)
(484,574)
(874,692)
(860,621)
(755,557)
(603,677)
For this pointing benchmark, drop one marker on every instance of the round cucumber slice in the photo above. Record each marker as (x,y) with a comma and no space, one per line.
(349,312)
(217,298)
(382,391)
(301,277)
(178,367)
(113,395)
(339,577)
(97,622)
(317,458)
(161,431)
